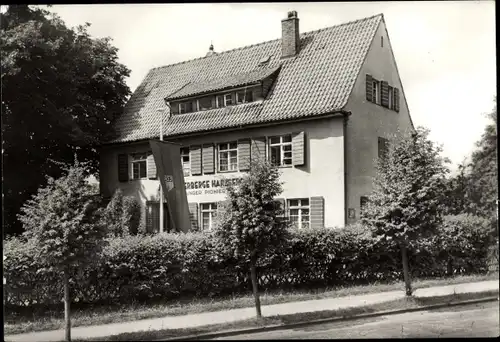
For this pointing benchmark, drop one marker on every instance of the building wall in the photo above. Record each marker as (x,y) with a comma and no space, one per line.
(370,121)
(322,174)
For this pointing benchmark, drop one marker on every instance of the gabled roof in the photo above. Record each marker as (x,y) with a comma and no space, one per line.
(219,84)
(318,80)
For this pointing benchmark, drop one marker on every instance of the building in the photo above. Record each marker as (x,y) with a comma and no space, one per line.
(321,104)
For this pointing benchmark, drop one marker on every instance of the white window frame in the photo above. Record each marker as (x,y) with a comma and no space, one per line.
(184,154)
(212,213)
(301,205)
(225,97)
(218,103)
(282,145)
(182,107)
(138,158)
(226,148)
(376,91)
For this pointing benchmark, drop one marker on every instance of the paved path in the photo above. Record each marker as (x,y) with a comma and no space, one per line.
(196,320)
(477,320)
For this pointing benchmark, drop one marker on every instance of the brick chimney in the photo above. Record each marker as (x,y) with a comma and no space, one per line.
(290,35)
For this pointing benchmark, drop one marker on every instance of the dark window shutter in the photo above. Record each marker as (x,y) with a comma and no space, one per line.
(208,158)
(193,215)
(244,154)
(362,202)
(317,212)
(396,99)
(280,205)
(258,148)
(369,88)
(384,94)
(151,167)
(122,167)
(195,160)
(298,149)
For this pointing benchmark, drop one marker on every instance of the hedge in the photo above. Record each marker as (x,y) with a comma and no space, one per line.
(169,266)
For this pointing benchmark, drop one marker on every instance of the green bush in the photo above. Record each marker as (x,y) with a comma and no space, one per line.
(122,215)
(168,266)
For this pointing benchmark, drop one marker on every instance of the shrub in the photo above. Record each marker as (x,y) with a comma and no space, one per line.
(122,215)
(169,266)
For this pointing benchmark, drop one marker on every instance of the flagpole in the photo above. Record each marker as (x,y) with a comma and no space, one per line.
(161,110)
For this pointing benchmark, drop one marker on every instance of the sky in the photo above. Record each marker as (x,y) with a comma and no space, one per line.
(445,51)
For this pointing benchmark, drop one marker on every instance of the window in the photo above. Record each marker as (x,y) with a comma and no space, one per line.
(219,101)
(228,156)
(205,103)
(185,161)
(208,214)
(362,202)
(228,99)
(185,107)
(383,145)
(280,150)
(376,92)
(298,212)
(382,41)
(139,165)
(244,96)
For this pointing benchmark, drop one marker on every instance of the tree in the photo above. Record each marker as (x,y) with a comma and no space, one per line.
(406,203)
(62,219)
(122,215)
(62,91)
(252,223)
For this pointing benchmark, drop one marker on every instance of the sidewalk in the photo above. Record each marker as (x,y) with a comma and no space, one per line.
(196,320)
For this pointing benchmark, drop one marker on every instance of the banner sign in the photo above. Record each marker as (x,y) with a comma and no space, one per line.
(210,186)
(168,166)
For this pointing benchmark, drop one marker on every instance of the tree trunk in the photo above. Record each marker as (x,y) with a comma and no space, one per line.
(67,318)
(253,276)
(406,270)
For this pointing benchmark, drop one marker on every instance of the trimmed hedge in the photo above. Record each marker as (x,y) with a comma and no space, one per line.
(168,266)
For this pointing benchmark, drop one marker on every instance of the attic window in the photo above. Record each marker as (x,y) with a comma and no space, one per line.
(185,107)
(264,60)
(244,96)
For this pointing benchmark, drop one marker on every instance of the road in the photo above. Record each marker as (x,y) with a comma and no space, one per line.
(476,320)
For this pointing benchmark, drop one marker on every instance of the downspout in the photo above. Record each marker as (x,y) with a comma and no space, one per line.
(346,189)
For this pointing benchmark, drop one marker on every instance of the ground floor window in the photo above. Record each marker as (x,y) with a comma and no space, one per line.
(208,214)
(298,212)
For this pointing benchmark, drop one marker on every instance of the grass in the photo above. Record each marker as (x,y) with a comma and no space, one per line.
(405,303)
(52,320)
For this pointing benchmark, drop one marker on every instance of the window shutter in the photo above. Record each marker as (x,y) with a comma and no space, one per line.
(258,148)
(298,149)
(396,99)
(384,94)
(195,160)
(208,158)
(193,215)
(317,212)
(382,147)
(122,167)
(244,154)
(151,167)
(280,205)
(369,88)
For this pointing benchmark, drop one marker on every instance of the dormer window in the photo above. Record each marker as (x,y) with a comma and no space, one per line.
(243,96)
(185,107)
(228,100)
(205,103)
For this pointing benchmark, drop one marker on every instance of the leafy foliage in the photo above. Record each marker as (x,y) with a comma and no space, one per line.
(122,215)
(62,90)
(61,219)
(406,202)
(169,266)
(252,225)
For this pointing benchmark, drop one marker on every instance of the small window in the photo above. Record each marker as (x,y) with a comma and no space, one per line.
(363,200)
(228,99)
(185,107)
(280,150)
(244,96)
(185,161)
(376,92)
(382,41)
(383,146)
(228,157)
(208,214)
(205,103)
(139,166)
(219,101)
(298,212)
